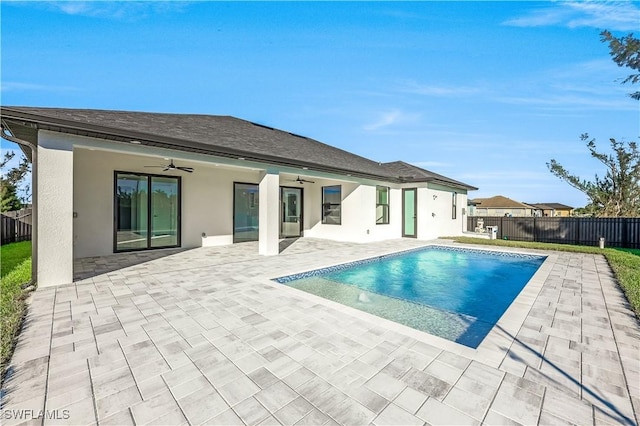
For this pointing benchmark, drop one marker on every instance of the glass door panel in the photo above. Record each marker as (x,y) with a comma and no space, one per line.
(245,212)
(291,212)
(131,212)
(409,212)
(164,211)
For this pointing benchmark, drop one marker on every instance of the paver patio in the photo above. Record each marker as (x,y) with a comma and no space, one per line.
(204,336)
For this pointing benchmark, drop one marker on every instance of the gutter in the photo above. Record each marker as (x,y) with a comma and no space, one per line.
(6,134)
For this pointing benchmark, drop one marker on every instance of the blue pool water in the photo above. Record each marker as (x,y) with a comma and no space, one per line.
(457,294)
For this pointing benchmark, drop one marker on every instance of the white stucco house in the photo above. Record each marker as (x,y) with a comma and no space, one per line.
(114,181)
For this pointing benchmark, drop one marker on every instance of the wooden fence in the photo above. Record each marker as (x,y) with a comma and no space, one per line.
(621,232)
(16,226)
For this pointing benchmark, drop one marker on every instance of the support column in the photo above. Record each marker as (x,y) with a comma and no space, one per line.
(269,214)
(54,192)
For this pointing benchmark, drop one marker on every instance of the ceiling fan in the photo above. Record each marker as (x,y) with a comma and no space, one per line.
(172,166)
(300,180)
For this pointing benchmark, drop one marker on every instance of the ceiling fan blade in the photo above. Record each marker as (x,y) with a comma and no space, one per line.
(186,169)
(166,168)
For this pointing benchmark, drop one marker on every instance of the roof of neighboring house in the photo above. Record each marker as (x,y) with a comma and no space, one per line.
(552,206)
(223,136)
(498,202)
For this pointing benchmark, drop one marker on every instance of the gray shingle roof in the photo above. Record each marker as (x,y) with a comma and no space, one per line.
(410,173)
(211,134)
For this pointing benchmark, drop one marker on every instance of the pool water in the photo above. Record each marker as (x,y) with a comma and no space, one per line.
(457,294)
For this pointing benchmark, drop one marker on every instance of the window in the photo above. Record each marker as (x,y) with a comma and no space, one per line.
(382,205)
(245,212)
(454,205)
(331,204)
(147,211)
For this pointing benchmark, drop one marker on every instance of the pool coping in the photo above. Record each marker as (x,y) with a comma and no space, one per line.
(493,348)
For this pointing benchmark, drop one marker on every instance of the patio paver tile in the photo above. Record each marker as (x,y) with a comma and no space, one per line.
(251,411)
(293,411)
(115,402)
(435,412)
(153,408)
(238,390)
(394,415)
(276,396)
(410,400)
(155,328)
(201,406)
(517,403)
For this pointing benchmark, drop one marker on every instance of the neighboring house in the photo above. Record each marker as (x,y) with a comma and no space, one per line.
(114,181)
(553,210)
(499,206)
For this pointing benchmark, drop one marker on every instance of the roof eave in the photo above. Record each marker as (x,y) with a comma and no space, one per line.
(146,139)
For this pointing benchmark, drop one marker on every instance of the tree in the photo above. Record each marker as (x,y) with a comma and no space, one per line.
(625,51)
(12,182)
(618,193)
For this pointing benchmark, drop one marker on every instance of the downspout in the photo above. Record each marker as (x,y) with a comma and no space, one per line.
(6,134)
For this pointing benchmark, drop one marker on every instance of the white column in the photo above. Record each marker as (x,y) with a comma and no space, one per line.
(54,211)
(269,215)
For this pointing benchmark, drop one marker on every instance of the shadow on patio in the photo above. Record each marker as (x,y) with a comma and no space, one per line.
(88,267)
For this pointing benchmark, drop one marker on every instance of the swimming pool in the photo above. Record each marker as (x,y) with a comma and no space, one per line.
(457,294)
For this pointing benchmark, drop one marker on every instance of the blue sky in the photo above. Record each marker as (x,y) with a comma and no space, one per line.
(482,92)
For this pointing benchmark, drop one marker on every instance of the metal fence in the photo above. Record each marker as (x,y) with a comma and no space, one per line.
(16,226)
(621,232)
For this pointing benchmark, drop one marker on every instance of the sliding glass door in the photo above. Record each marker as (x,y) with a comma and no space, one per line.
(147,211)
(245,212)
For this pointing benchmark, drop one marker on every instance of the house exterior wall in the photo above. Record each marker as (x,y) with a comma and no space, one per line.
(358,214)
(207,200)
(495,211)
(556,212)
(435,213)
(75,202)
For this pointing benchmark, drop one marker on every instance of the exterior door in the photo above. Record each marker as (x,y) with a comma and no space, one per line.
(409,212)
(245,212)
(290,212)
(146,211)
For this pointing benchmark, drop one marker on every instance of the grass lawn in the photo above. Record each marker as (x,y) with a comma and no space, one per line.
(625,263)
(16,271)
(14,254)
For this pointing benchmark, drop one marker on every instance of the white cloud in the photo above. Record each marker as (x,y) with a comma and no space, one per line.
(16,86)
(390,118)
(612,15)
(439,90)
(120,10)
(568,102)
